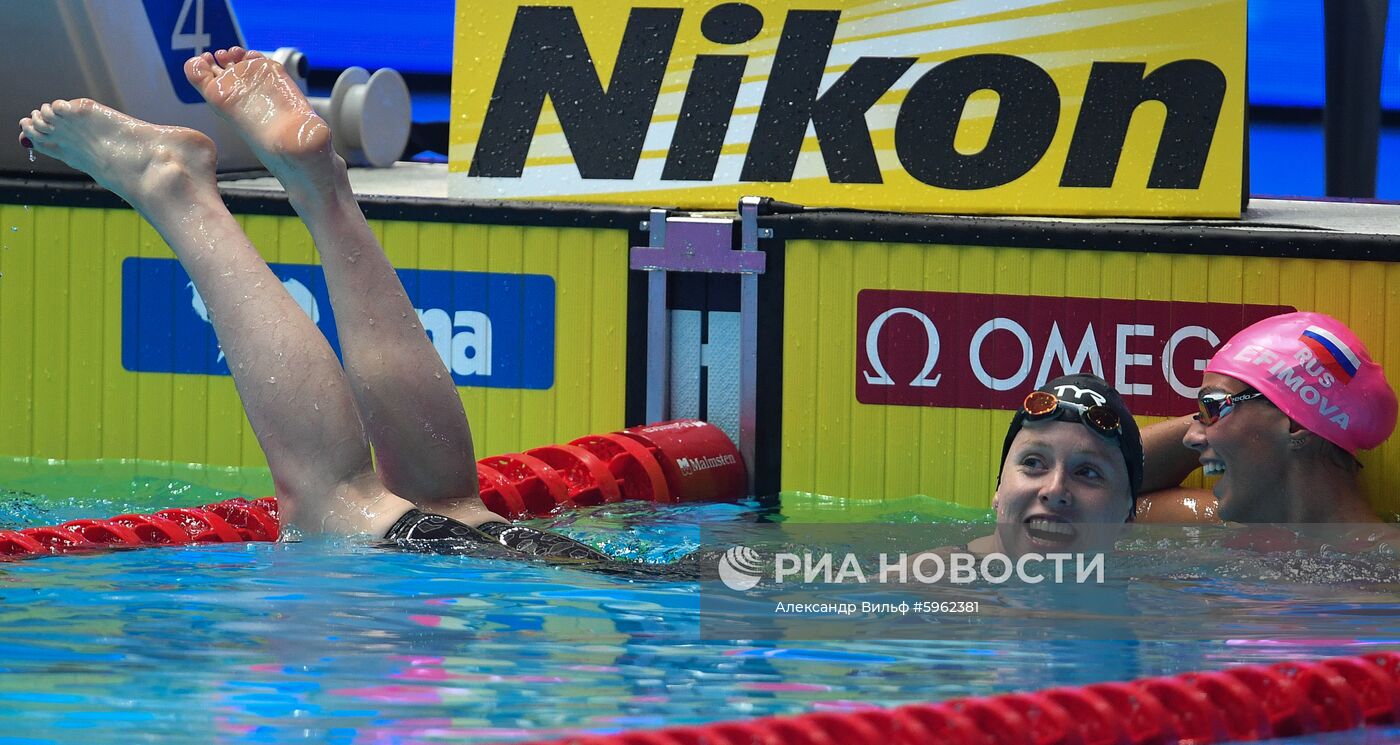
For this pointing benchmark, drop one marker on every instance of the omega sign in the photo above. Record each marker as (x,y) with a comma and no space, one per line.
(979,351)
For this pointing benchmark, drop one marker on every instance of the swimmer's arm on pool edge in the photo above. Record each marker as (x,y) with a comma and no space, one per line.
(1166,462)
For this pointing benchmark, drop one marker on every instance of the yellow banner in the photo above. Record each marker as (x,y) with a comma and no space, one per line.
(1048,107)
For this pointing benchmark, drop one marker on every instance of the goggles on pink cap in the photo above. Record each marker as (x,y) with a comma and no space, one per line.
(1313,368)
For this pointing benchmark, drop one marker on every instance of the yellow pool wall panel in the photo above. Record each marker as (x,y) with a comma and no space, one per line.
(64,393)
(833,444)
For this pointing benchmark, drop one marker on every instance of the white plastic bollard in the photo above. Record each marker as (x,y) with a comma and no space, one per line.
(369,116)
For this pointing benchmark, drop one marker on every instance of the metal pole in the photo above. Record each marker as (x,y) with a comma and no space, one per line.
(748,339)
(658,329)
(1355,37)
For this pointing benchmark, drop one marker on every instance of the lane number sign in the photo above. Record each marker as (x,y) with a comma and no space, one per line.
(185,28)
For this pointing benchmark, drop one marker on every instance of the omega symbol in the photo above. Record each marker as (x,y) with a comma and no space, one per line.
(872,350)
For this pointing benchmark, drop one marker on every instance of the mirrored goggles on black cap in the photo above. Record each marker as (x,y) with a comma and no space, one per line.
(1102,420)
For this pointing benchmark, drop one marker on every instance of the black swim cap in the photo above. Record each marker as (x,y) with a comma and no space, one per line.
(1090,390)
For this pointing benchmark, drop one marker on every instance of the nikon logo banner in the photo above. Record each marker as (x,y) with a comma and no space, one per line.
(1052,107)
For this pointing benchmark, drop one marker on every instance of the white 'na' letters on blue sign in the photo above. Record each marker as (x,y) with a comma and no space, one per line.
(491,330)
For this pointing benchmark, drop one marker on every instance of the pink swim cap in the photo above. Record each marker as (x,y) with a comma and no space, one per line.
(1318,372)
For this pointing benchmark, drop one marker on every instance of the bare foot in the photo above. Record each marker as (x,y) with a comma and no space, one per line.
(144,163)
(255,95)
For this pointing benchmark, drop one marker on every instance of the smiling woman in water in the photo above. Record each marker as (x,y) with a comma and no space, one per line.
(1071,471)
(1284,407)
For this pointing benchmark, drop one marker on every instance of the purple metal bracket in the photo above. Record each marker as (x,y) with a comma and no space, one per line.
(699,245)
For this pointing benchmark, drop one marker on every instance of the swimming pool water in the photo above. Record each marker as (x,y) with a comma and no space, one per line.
(339,641)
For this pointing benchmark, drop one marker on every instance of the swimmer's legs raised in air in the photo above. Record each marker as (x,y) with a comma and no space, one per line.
(291,384)
(407,400)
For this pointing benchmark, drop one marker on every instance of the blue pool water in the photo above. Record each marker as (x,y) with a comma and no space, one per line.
(339,641)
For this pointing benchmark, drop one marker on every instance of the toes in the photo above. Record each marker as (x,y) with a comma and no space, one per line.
(198,70)
(226,57)
(38,123)
(28,132)
(253,54)
(201,68)
(25,142)
(47,111)
(61,108)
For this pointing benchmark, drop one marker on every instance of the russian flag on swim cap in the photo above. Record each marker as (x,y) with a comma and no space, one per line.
(1357,415)
(1332,352)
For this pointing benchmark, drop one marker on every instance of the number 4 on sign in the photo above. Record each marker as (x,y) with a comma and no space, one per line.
(197,41)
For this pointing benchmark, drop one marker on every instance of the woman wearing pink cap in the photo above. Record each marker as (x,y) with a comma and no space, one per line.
(1284,407)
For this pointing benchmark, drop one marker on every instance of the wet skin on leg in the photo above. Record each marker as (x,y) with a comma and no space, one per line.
(296,396)
(407,400)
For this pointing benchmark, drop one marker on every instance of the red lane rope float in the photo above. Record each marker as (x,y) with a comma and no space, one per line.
(589,481)
(1254,702)
(253,522)
(230,521)
(1374,690)
(59,540)
(996,718)
(1244,715)
(1048,722)
(684,460)
(1096,721)
(1192,715)
(541,487)
(203,526)
(16,543)
(1287,709)
(1144,718)
(699,460)
(680,461)
(154,530)
(498,493)
(636,470)
(104,533)
(933,723)
(1337,705)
